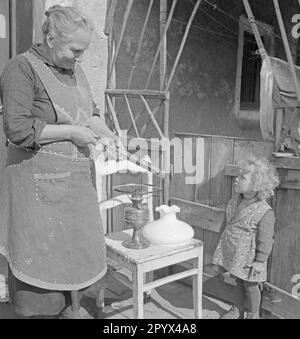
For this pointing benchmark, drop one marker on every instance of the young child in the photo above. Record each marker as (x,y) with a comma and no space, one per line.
(247,240)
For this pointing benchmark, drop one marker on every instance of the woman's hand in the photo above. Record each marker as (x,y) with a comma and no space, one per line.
(258,267)
(82,136)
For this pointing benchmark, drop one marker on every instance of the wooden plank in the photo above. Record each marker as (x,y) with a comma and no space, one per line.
(109,17)
(220,184)
(113,114)
(239,69)
(151,115)
(180,188)
(203,157)
(135,93)
(163,15)
(288,163)
(131,116)
(198,215)
(201,135)
(255,29)
(232,170)
(219,189)
(289,179)
(285,263)
(280,303)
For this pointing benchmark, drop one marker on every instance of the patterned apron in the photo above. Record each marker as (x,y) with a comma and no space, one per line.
(50,226)
(236,249)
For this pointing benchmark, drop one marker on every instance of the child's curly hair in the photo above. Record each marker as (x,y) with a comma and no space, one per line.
(264,178)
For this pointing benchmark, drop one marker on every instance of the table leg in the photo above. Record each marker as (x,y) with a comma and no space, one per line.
(149,277)
(197,285)
(138,295)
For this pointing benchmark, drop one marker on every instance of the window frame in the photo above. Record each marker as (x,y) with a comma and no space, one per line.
(265,31)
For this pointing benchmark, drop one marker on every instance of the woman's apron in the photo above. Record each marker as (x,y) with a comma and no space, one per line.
(236,249)
(50,227)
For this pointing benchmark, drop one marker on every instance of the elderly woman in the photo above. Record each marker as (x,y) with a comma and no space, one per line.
(50,228)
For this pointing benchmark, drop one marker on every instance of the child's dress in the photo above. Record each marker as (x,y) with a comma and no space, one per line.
(236,249)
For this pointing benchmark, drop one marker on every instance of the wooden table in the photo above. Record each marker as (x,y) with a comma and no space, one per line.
(140,262)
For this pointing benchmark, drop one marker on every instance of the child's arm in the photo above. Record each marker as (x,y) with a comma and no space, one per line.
(265,236)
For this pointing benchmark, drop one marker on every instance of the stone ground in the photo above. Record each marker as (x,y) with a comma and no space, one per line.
(171,301)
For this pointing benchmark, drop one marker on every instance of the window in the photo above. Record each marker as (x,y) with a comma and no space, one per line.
(247,94)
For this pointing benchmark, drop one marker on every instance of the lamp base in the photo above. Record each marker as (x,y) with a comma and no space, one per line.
(135,245)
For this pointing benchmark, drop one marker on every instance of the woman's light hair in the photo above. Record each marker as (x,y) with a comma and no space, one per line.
(264,178)
(61,21)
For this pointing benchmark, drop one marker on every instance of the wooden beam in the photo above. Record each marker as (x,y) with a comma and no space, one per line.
(163,50)
(187,30)
(232,170)
(110,17)
(140,44)
(280,302)
(253,24)
(154,113)
(131,116)
(289,179)
(155,123)
(126,16)
(159,95)
(174,2)
(200,135)
(286,163)
(113,114)
(165,197)
(199,215)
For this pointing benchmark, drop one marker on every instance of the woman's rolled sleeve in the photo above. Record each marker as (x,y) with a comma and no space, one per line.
(17,93)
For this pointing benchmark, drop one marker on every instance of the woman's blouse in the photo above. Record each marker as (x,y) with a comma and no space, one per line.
(27,108)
